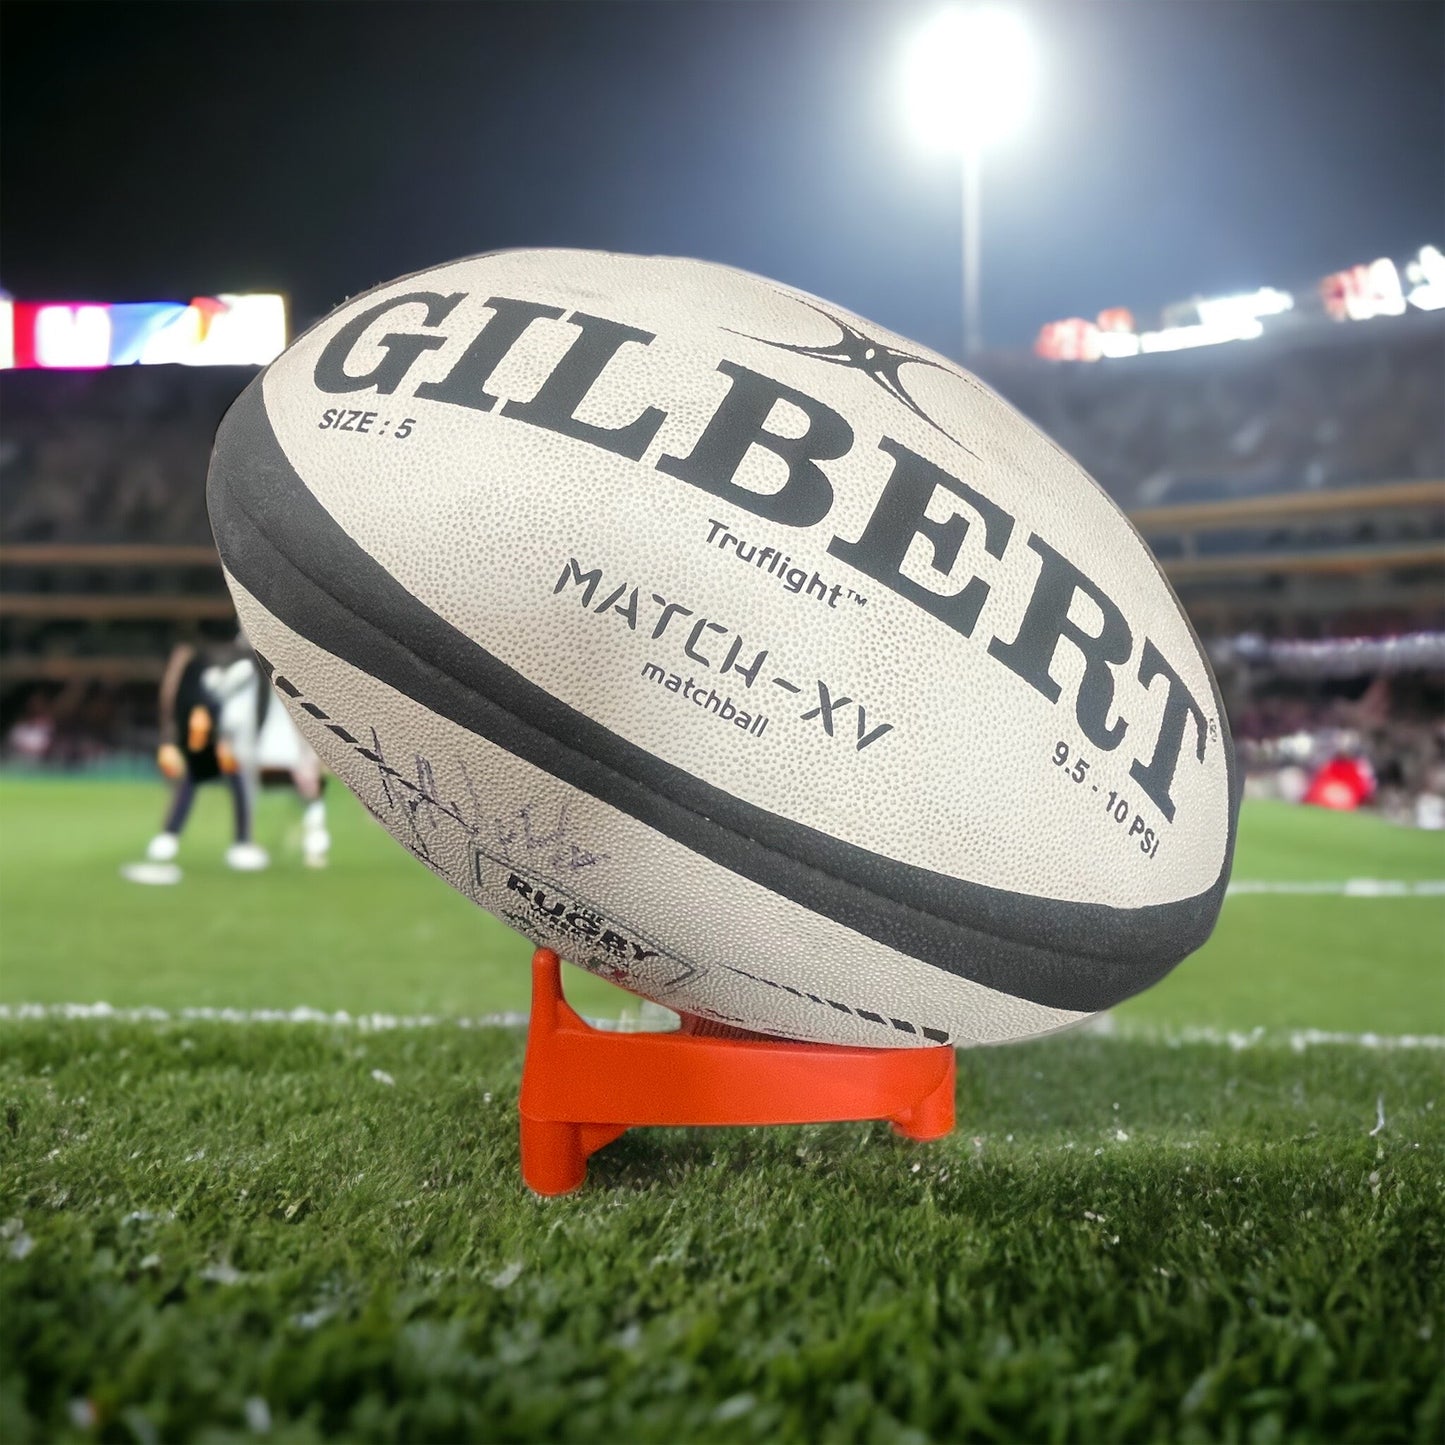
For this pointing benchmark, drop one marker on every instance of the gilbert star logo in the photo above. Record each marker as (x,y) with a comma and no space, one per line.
(880,363)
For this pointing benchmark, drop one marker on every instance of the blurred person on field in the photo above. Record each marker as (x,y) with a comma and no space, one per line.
(219,720)
(268,748)
(193,752)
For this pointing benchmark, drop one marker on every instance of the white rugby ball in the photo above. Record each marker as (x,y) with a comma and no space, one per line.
(739,650)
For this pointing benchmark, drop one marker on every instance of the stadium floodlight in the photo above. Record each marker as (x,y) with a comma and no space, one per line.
(1427,275)
(969,78)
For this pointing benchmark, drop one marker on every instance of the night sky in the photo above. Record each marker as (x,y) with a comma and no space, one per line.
(160,151)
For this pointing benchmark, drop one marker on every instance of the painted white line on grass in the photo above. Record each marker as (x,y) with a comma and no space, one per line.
(1297,1039)
(367,1023)
(1349,888)
(1103,1026)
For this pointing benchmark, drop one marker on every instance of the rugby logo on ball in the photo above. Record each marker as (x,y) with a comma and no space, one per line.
(734,648)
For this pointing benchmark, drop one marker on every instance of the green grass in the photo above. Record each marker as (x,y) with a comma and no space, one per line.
(376,932)
(1128,1238)
(1123,1242)
(1325,962)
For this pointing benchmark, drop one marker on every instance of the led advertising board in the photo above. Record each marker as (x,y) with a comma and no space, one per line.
(223,330)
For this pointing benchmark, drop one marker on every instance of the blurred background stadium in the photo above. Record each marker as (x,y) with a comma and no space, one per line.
(1208,264)
(1238,330)
(1285,463)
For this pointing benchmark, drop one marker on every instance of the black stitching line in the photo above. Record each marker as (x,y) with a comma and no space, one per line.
(938,1036)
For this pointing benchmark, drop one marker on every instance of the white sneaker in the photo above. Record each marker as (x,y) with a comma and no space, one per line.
(315,848)
(163,848)
(247,857)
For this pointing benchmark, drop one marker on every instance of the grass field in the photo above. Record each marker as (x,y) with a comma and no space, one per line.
(228,1230)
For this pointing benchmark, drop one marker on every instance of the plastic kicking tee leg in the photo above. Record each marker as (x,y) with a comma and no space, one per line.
(582,1087)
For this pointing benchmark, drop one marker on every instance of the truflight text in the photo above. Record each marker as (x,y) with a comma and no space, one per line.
(776,564)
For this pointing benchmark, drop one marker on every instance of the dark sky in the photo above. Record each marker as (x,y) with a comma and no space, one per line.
(156,151)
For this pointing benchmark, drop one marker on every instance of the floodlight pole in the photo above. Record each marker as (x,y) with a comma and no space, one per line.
(972,321)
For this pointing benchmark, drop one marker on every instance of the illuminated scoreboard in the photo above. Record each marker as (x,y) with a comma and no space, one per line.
(1358,293)
(224,330)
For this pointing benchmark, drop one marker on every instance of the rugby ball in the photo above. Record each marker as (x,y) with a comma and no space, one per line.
(748,655)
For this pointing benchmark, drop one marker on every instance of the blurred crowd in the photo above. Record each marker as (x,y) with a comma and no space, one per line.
(1384,732)
(81,723)
(1400,766)
(120,456)
(110,456)
(1331,406)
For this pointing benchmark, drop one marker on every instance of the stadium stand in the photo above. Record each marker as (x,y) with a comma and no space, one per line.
(105,551)
(1321,406)
(117,455)
(1290,486)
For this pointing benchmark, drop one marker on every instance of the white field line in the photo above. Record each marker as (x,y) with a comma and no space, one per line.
(1102,1027)
(146,1014)
(1237,1039)
(1349,888)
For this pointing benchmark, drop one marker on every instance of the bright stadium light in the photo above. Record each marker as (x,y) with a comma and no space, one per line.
(969,77)
(1426,273)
